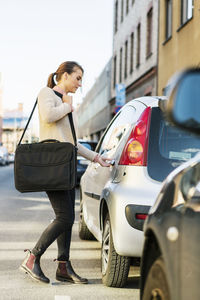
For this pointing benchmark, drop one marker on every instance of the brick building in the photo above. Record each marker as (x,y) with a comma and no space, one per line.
(1,111)
(179,38)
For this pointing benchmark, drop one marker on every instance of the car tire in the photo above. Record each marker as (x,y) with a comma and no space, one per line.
(114,267)
(156,286)
(84,232)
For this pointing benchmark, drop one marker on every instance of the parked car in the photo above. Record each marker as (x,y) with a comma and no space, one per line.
(82,162)
(11,158)
(170,267)
(115,201)
(4,160)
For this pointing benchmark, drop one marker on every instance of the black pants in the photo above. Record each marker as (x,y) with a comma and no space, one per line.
(63,203)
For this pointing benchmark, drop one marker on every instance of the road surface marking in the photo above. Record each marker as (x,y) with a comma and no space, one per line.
(62,297)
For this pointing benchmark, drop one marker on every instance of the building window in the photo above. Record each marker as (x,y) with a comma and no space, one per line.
(168,20)
(127,6)
(131,53)
(114,71)
(116,15)
(138,46)
(120,66)
(149,32)
(122,11)
(186,10)
(125,59)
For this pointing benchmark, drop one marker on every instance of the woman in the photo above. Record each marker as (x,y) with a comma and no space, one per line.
(54,104)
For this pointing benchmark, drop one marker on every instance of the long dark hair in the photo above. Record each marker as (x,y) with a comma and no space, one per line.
(67,66)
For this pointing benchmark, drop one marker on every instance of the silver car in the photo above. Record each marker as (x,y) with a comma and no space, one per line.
(115,201)
(4,160)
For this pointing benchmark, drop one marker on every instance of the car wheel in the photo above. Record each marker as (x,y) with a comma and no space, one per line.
(114,267)
(156,286)
(84,232)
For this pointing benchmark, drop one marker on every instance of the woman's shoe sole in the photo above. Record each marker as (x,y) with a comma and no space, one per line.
(68,280)
(34,278)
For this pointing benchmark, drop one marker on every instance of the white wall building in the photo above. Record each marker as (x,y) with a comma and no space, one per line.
(135,40)
(14,122)
(94,111)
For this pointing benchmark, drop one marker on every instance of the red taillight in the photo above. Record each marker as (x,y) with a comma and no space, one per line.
(135,151)
(141,216)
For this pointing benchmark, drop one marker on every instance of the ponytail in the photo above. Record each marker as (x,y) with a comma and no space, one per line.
(51,82)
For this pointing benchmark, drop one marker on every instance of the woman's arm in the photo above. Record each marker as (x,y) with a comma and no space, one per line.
(48,111)
(93,156)
(85,152)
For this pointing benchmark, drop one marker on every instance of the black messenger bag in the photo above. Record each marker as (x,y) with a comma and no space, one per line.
(49,165)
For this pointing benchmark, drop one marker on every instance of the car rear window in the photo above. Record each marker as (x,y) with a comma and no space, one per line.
(88,146)
(168,146)
(91,145)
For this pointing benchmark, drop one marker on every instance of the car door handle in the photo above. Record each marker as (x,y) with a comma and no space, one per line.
(112,162)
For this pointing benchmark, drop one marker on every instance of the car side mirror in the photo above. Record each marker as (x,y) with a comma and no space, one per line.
(183,107)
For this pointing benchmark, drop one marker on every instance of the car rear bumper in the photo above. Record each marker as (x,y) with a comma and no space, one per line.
(135,215)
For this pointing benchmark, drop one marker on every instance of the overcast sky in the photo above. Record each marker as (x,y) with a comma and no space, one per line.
(37,35)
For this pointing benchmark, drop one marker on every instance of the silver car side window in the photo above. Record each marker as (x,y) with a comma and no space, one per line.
(118,129)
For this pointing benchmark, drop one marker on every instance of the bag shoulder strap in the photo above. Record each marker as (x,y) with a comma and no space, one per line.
(70,120)
(27,123)
(72,128)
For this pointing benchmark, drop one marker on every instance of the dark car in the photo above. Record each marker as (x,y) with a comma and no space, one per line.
(82,162)
(170,265)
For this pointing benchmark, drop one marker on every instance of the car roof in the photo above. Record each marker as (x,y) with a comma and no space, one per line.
(148,100)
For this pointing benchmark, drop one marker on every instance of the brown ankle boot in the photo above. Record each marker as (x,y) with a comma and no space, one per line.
(31,266)
(65,272)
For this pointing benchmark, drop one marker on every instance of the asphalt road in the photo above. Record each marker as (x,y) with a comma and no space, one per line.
(22,219)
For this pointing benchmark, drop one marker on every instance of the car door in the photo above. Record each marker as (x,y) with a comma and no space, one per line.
(97,176)
(189,233)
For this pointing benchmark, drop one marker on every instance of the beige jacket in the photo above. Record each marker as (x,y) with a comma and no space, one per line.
(54,121)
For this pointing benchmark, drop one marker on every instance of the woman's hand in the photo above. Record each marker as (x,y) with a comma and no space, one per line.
(68,99)
(103,161)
